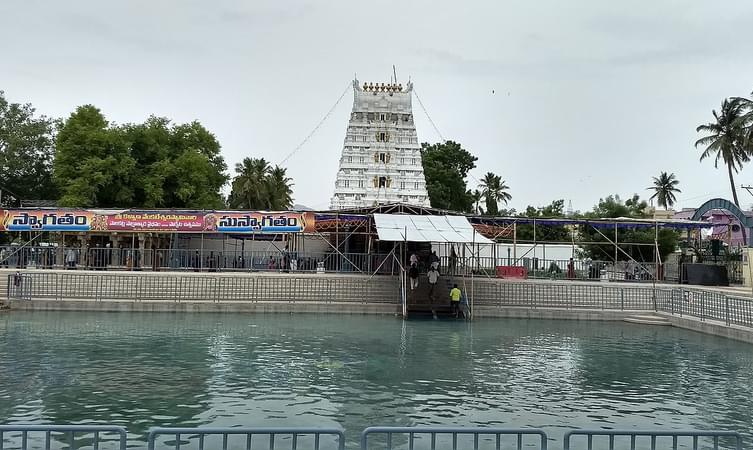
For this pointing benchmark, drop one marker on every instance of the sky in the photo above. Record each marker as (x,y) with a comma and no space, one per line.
(565,100)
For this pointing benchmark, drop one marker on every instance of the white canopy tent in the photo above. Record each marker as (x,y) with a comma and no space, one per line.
(438,229)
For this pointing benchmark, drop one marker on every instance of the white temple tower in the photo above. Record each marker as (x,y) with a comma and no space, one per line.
(381,158)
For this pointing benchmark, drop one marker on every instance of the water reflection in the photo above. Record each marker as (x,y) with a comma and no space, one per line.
(141,370)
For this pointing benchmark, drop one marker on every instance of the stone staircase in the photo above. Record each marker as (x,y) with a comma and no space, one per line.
(4,290)
(421,305)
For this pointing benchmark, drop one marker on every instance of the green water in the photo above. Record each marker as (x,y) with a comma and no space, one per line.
(143,370)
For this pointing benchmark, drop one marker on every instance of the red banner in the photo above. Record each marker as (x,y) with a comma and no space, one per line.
(160,222)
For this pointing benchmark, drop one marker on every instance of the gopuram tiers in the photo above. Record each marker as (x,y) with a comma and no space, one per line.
(381,157)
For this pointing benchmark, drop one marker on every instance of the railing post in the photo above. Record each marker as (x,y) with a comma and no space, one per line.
(672,303)
(726,307)
(622,298)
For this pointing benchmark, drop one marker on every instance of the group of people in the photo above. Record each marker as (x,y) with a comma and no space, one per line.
(432,276)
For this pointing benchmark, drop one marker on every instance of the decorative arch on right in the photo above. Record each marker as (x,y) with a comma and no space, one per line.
(720,203)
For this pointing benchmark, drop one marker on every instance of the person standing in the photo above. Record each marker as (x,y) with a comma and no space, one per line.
(414,259)
(433,277)
(571,269)
(70,258)
(3,257)
(455,295)
(413,274)
(434,260)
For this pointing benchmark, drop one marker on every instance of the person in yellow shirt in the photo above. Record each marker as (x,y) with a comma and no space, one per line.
(455,295)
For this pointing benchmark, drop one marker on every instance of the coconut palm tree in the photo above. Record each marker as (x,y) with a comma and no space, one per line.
(746,121)
(476,196)
(279,189)
(250,185)
(664,189)
(725,139)
(494,190)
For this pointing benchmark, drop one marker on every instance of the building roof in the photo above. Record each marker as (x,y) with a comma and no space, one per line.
(422,228)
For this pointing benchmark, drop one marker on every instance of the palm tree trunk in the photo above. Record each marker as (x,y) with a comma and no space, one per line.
(732,185)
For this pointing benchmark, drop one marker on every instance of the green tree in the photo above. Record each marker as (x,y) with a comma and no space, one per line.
(725,139)
(178,166)
(279,186)
(476,195)
(259,186)
(249,187)
(545,232)
(746,122)
(494,190)
(665,186)
(27,147)
(93,165)
(613,207)
(154,164)
(446,166)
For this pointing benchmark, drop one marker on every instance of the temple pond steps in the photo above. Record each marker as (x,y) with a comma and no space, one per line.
(708,310)
(648,319)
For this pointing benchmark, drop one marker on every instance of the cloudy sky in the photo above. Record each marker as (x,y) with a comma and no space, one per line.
(572,100)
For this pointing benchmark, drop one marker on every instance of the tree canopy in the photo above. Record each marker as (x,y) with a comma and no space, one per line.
(613,207)
(27,148)
(155,164)
(93,165)
(446,166)
(725,139)
(665,186)
(177,166)
(259,186)
(494,190)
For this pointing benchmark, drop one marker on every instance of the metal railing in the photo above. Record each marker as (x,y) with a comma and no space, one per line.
(276,259)
(653,439)
(372,438)
(452,438)
(205,260)
(679,301)
(555,269)
(139,287)
(64,436)
(243,438)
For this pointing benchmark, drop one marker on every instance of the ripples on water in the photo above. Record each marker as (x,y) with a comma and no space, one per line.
(142,370)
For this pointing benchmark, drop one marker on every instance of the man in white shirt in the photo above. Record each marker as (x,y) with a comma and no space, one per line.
(433,277)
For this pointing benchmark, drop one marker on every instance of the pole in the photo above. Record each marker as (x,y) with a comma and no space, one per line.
(473,239)
(515,241)
(534,238)
(337,238)
(201,254)
(615,245)
(369,244)
(656,261)
(405,273)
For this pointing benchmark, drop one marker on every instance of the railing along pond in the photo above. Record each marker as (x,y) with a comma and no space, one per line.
(84,437)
